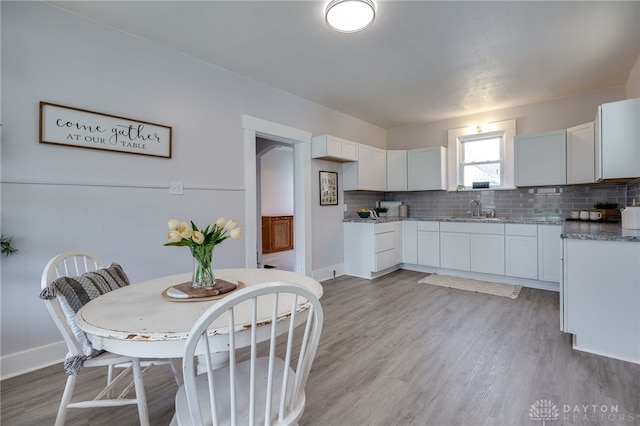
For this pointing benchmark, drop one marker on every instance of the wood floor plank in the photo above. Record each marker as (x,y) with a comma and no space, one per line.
(396,352)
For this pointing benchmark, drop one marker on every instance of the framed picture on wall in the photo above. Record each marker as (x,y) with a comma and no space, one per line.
(328,188)
(81,128)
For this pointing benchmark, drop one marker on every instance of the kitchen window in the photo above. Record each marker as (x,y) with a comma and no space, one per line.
(481,154)
(481,161)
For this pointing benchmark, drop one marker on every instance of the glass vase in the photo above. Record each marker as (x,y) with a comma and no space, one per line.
(202,273)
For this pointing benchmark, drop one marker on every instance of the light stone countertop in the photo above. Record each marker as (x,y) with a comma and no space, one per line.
(542,220)
(586,230)
(572,229)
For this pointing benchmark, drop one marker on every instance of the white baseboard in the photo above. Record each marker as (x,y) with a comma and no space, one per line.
(328,272)
(32,359)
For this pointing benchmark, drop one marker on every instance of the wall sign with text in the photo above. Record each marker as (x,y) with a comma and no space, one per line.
(63,125)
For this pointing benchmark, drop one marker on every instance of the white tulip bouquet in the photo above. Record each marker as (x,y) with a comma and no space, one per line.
(201,243)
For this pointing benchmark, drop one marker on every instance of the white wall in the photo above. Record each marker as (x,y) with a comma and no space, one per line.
(276,174)
(633,83)
(59,198)
(328,250)
(533,118)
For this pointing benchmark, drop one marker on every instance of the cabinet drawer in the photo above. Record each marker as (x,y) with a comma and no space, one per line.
(385,241)
(521,229)
(429,226)
(385,227)
(385,259)
(473,228)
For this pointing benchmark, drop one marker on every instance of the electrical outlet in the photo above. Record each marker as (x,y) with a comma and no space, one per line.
(176,188)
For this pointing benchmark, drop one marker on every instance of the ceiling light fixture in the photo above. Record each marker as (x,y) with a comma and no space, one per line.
(349,16)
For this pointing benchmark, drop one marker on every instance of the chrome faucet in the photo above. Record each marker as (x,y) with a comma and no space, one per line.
(478,205)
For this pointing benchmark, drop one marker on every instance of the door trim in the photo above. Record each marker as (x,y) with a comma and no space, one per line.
(301,142)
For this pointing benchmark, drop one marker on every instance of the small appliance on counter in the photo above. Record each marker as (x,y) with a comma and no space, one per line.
(393,207)
(631,217)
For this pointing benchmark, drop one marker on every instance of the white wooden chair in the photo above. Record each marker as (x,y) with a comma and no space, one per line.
(262,389)
(74,264)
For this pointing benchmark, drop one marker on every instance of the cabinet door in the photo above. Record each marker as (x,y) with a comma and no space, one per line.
(426,169)
(349,151)
(334,149)
(619,150)
(396,170)
(368,173)
(581,154)
(359,253)
(378,172)
(277,233)
(549,245)
(487,253)
(429,248)
(602,291)
(397,246)
(409,241)
(541,159)
(455,251)
(521,256)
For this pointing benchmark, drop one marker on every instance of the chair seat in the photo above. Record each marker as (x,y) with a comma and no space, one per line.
(222,398)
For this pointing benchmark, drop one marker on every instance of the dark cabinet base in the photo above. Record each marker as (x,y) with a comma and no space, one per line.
(277,233)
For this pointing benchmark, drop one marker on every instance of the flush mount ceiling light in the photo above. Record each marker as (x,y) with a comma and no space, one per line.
(349,16)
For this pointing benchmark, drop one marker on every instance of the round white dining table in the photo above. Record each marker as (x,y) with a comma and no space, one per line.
(137,320)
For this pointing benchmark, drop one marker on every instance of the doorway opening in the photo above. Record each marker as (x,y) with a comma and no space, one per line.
(275,201)
(300,142)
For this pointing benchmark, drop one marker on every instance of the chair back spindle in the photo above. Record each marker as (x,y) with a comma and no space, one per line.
(269,358)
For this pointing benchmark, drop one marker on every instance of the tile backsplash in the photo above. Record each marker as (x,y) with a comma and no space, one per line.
(633,192)
(520,203)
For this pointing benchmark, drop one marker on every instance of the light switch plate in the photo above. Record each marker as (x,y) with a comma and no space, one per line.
(176,188)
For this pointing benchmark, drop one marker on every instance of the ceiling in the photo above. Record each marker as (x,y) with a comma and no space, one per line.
(420,61)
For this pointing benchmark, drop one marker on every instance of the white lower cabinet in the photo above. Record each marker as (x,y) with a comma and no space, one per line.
(397,242)
(410,241)
(601,305)
(487,253)
(549,250)
(476,247)
(521,250)
(455,252)
(428,244)
(527,251)
(371,247)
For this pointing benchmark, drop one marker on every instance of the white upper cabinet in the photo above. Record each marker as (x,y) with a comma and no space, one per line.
(396,170)
(368,173)
(427,169)
(541,159)
(327,147)
(618,140)
(581,154)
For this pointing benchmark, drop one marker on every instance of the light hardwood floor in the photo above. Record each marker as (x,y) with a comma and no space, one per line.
(395,352)
(282,260)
